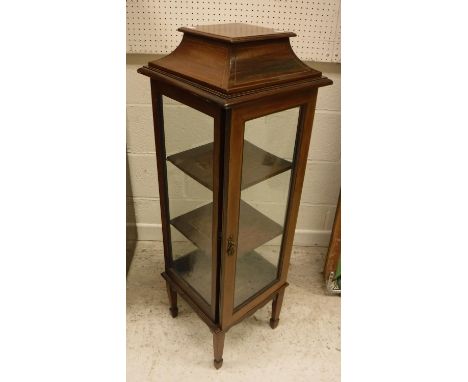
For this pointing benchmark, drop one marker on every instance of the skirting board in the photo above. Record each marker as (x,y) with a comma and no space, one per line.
(302,237)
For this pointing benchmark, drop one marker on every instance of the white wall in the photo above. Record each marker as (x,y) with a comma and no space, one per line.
(322,180)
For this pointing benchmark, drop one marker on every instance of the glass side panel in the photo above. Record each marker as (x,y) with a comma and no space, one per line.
(189,154)
(266,172)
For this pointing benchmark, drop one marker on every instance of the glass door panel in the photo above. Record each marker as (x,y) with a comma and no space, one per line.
(189,154)
(266,173)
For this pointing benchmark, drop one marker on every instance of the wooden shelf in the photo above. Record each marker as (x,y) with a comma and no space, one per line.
(258,164)
(253,273)
(255,228)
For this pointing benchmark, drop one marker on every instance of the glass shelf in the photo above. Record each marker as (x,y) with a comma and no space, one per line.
(255,228)
(253,273)
(258,164)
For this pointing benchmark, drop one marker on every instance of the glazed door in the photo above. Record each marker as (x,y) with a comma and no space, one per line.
(188,155)
(266,173)
(262,166)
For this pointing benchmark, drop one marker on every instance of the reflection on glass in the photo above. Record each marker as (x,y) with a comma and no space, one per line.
(189,142)
(266,171)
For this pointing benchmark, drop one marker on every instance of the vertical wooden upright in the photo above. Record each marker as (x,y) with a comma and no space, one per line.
(334,249)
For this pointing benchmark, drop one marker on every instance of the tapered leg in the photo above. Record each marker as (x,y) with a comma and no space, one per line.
(172,300)
(276,309)
(218,346)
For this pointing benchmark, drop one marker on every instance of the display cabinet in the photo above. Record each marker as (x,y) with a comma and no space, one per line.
(233,108)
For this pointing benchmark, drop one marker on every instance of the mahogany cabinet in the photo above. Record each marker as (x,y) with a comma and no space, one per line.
(233,108)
